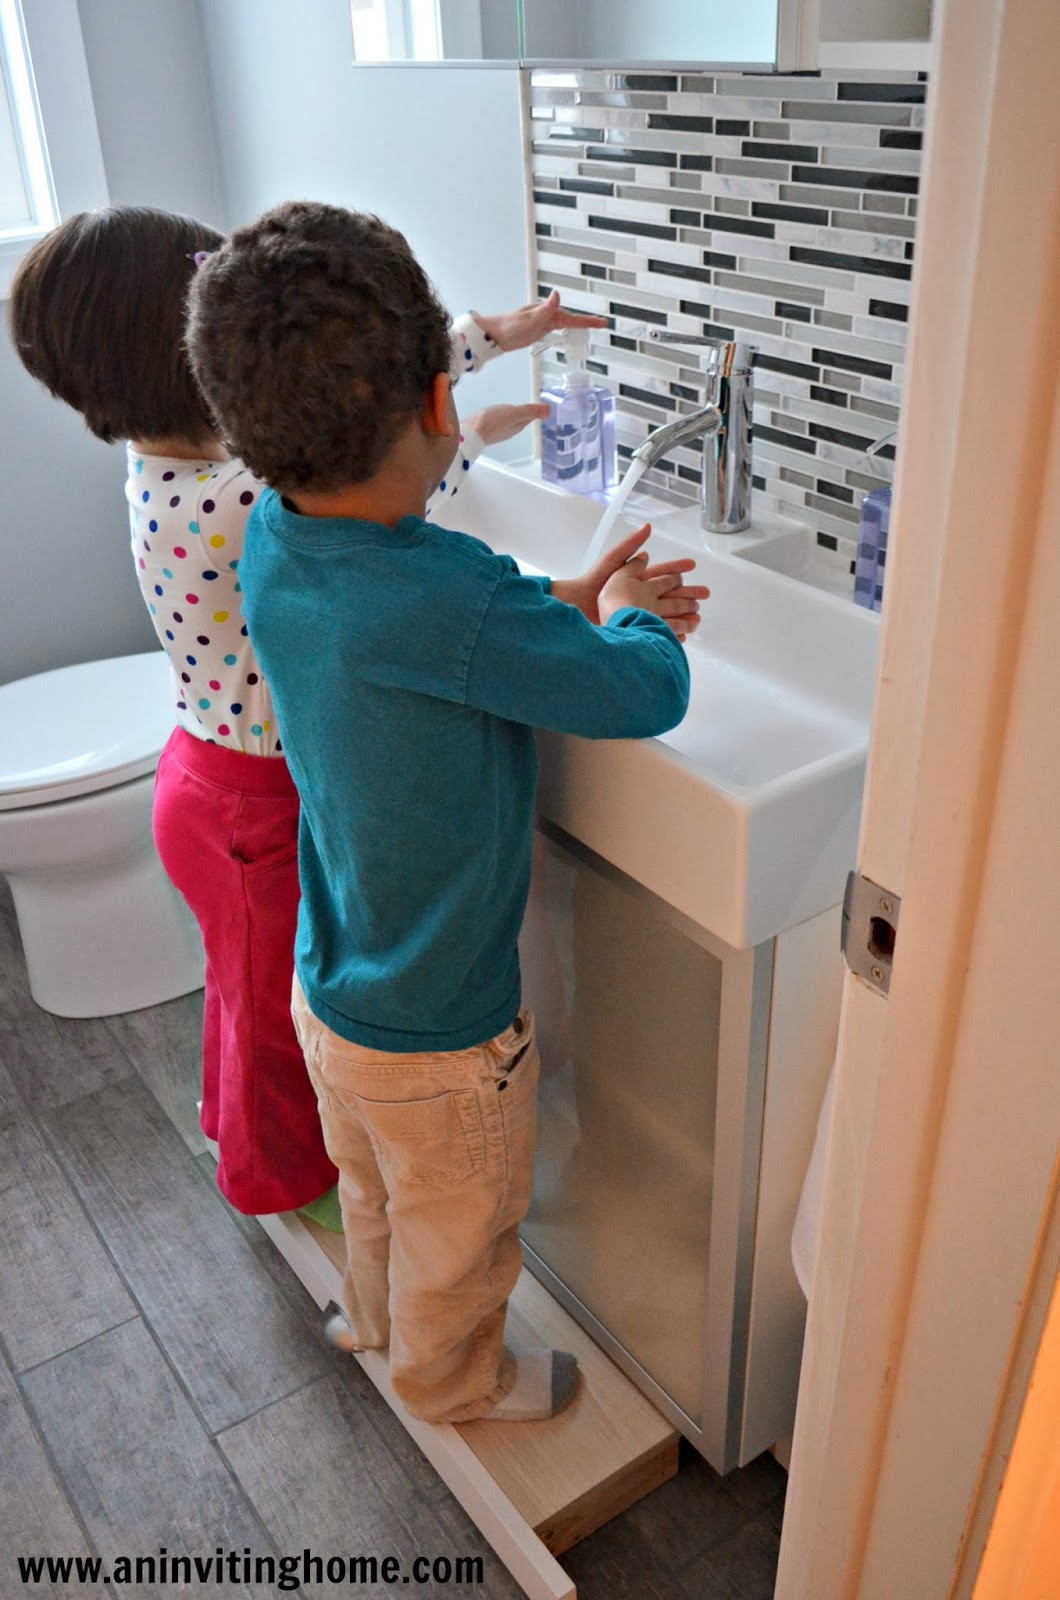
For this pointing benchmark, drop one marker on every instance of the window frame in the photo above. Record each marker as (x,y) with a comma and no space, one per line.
(63,121)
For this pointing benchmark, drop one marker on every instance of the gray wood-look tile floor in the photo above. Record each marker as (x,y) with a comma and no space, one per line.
(163,1382)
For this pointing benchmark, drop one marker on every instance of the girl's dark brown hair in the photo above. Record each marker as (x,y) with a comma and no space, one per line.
(97,315)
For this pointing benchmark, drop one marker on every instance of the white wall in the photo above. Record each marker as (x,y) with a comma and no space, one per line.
(67,591)
(436,151)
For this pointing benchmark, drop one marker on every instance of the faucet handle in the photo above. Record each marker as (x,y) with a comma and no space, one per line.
(728,356)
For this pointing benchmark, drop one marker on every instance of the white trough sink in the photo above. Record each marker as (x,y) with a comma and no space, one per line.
(745,817)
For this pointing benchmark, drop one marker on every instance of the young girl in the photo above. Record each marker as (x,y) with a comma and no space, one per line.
(97,315)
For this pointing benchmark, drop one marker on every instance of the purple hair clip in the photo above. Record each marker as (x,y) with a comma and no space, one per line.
(200,256)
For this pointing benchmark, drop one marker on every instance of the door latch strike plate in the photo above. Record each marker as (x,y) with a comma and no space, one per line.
(870,928)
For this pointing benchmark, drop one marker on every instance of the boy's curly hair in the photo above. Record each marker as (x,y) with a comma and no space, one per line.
(97,315)
(315,335)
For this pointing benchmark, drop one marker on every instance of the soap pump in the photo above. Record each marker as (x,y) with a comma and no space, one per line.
(578,435)
(873,528)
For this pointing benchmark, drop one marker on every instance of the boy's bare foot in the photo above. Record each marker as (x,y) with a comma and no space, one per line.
(545,1384)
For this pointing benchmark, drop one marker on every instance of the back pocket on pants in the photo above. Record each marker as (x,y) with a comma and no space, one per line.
(437,1141)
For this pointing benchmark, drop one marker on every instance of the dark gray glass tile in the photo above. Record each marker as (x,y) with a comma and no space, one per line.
(791,441)
(649,81)
(642,158)
(846,178)
(880,266)
(779,152)
(836,358)
(586,186)
(812,216)
(850,441)
(681,124)
(835,491)
(629,392)
(729,224)
(828,397)
(677,269)
(901,139)
(795,369)
(637,313)
(646,230)
(902,93)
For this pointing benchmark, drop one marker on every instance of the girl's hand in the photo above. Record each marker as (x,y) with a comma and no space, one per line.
(497,423)
(514,330)
(674,601)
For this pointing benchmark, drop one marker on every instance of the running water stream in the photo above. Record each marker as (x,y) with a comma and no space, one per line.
(603,539)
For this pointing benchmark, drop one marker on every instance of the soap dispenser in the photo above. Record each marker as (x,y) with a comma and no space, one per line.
(873,528)
(578,435)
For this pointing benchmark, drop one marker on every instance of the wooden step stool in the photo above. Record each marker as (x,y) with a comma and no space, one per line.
(533,1489)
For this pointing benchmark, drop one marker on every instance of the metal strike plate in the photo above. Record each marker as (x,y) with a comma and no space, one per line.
(870,929)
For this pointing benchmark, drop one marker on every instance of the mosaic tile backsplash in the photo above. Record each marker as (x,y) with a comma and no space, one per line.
(779,209)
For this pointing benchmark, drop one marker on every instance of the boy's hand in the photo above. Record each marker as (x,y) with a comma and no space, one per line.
(497,423)
(623,571)
(514,330)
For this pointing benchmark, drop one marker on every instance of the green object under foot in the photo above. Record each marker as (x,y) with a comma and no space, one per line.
(324,1211)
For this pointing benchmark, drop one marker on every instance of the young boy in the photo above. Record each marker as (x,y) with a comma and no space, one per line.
(408,666)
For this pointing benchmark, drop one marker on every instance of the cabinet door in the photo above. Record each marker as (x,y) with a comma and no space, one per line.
(637,1039)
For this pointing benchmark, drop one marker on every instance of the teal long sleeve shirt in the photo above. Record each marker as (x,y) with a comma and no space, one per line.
(408,667)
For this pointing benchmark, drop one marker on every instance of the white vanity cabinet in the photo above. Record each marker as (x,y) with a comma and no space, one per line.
(680,1086)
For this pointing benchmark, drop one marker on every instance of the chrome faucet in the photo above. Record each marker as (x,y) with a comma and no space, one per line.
(724,424)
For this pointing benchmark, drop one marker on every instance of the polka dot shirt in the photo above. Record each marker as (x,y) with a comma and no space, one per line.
(187,520)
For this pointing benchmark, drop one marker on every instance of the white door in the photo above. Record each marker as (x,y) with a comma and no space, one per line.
(940,1243)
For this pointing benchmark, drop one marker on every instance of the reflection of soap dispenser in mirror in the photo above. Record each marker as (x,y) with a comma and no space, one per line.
(872,539)
(578,435)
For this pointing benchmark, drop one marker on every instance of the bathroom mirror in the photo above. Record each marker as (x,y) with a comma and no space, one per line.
(564,32)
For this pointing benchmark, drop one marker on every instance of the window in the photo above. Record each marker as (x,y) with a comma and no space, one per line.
(396,30)
(50,161)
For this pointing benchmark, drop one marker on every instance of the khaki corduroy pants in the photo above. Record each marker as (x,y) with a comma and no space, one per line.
(435,1157)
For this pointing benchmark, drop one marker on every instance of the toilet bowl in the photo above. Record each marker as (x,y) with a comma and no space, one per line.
(103,930)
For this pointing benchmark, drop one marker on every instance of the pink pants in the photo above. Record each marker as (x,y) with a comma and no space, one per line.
(226,828)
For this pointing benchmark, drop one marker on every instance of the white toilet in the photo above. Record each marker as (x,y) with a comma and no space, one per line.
(102,928)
